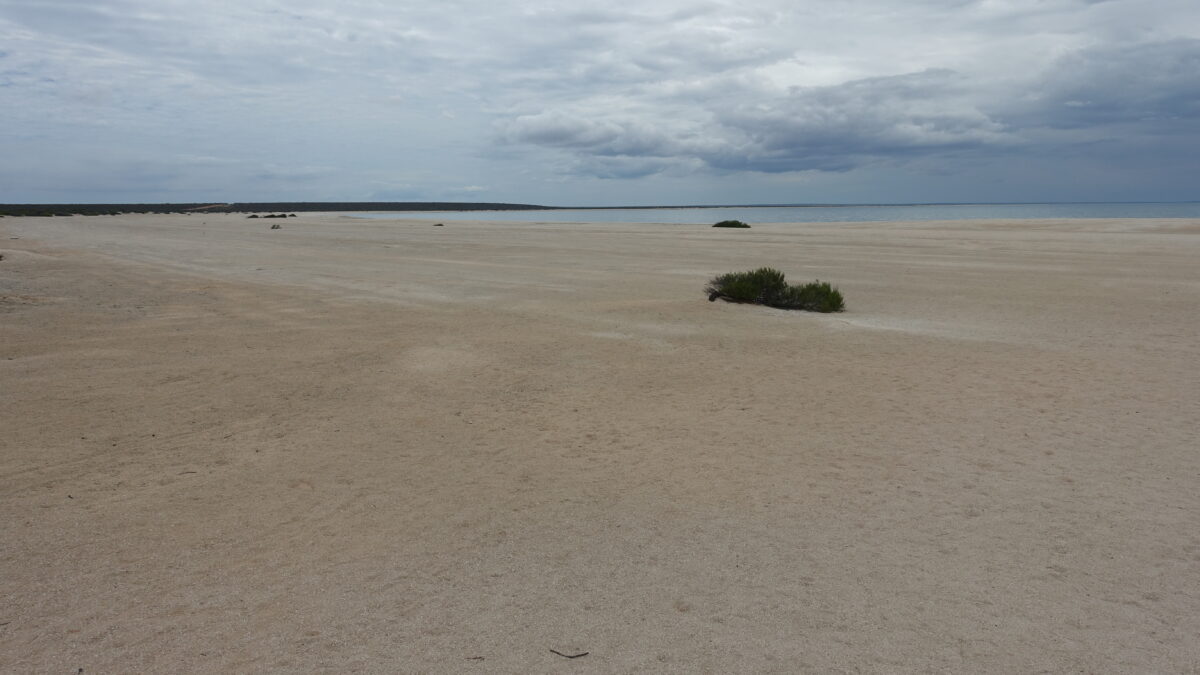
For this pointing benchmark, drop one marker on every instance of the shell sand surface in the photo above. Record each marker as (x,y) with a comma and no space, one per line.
(381,446)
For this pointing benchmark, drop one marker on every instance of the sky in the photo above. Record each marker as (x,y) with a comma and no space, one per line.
(653,102)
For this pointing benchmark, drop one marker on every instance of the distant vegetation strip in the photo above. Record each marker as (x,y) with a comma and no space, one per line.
(253,207)
(262,207)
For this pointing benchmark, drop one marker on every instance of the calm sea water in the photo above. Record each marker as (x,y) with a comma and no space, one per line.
(821,214)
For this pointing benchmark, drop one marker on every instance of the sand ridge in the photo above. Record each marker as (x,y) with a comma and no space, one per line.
(378,446)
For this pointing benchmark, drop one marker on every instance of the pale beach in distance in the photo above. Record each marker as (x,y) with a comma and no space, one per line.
(372,445)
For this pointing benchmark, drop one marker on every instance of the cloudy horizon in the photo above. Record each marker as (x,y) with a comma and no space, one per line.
(559,103)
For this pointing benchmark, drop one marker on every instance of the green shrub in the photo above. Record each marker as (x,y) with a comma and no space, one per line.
(767,286)
(731,223)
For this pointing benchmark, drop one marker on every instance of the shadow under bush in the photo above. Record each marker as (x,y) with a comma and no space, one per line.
(767,286)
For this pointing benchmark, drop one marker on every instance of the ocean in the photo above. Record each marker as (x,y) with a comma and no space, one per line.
(823,213)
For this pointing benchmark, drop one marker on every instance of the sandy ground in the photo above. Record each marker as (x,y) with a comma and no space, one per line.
(377,446)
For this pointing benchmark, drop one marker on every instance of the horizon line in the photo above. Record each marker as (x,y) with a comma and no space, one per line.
(448,205)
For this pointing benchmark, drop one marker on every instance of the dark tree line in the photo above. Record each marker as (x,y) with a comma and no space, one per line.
(252,207)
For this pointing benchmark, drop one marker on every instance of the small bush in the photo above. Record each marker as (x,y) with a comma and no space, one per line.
(767,286)
(731,223)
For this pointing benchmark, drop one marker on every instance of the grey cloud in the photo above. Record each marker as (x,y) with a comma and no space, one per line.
(398,193)
(740,125)
(291,175)
(675,92)
(837,128)
(1155,83)
(623,167)
(833,128)
(566,51)
(600,137)
(249,45)
(706,52)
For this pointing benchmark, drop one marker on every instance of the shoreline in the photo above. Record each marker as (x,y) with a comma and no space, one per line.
(1180,209)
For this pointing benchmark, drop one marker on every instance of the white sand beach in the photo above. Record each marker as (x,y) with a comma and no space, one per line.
(379,446)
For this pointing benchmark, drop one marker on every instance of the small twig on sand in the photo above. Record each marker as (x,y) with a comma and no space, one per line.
(568,656)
